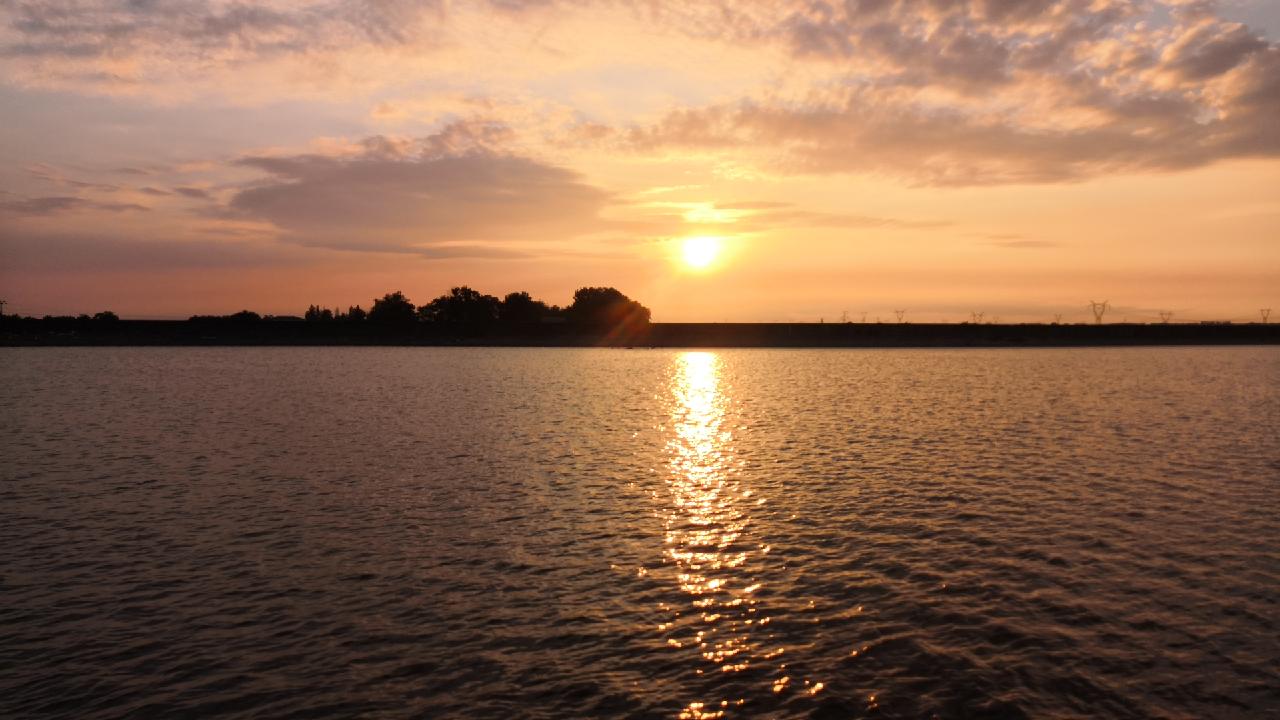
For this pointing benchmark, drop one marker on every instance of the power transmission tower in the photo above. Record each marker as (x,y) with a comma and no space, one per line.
(1166,316)
(976,317)
(864,318)
(1057,318)
(1099,309)
(844,316)
(1265,312)
(899,313)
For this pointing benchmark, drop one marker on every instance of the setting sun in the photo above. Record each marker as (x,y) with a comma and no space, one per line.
(700,252)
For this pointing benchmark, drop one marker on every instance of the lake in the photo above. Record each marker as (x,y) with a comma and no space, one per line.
(561,533)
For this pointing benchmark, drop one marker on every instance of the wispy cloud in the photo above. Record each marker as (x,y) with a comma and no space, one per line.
(98,252)
(1025,244)
(53,205)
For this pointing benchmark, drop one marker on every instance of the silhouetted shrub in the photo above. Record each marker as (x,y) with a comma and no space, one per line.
(242,316)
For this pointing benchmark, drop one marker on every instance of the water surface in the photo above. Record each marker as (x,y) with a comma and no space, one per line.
(551,533)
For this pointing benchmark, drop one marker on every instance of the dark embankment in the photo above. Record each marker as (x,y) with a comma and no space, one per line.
(85,332)
(953,335)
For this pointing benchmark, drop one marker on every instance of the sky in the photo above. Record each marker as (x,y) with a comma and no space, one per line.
(1015,158)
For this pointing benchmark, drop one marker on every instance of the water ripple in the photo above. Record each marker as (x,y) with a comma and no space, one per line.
(400,532)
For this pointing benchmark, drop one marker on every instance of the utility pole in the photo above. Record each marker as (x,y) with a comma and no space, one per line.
(3,303)
(1099,309)
(1265,312)
(1165,316)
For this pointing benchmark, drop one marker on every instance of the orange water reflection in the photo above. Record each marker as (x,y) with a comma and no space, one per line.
(708,514)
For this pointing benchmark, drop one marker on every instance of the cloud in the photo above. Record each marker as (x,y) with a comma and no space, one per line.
(937,92)
(55,176)
(752,205)
(445,195)
(1211,49)
(181,48)
(763,215)
(940,145)
(92,29)
(81,251)
(659,221)
(53,205)
(989,92)
(1021,244)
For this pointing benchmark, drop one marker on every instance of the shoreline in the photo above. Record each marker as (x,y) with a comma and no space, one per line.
(70,332)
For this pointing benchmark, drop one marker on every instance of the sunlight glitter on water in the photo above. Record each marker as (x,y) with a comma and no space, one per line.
(706,520)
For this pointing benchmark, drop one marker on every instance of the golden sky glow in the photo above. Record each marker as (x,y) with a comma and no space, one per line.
(1014,158)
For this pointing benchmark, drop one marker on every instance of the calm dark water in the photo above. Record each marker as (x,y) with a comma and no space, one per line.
(396,532)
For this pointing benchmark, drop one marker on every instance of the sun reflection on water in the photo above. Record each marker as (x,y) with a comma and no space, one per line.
(708,514)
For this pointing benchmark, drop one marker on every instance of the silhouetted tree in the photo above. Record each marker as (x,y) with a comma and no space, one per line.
(604,309)
(106,316)
(462,306)
(392,309)
(315,313)
(520,309)
(356,314)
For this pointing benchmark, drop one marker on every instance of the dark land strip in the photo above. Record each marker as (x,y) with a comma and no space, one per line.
(215,332)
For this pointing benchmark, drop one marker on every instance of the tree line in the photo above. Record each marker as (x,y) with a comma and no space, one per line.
(462,310)
(599,309)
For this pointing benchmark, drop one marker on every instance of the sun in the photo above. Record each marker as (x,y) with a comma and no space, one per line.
(699,252)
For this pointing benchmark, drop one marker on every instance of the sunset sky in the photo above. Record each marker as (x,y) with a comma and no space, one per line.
(1013,157)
